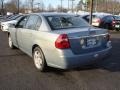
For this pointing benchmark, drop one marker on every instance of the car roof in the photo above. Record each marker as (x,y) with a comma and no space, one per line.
(99,16)
(116,17)
(52,13)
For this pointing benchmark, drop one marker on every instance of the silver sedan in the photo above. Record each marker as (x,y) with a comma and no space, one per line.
(59,40)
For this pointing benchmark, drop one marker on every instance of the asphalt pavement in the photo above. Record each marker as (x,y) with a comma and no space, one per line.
(17,72)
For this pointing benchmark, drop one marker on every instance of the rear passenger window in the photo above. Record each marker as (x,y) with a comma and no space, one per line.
(38,23)
(32,21)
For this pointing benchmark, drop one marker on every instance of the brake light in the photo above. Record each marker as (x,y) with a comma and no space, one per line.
(113,22)
(98,20)
(62,42)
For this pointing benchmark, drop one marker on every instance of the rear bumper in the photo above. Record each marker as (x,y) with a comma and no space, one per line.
(72,61)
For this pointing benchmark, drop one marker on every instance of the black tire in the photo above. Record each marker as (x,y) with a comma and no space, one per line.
(117,30)
(40,65)
(10,43)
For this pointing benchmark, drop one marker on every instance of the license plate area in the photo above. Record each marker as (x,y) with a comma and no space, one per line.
(91,42)
(117,26)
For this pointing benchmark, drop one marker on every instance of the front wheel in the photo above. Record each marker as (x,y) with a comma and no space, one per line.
(39,59)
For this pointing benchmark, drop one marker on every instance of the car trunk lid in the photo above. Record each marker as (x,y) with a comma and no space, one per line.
(85,40)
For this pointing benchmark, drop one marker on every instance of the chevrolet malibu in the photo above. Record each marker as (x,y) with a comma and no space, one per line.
(59,40)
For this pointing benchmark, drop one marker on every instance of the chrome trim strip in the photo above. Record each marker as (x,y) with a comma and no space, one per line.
(88,36)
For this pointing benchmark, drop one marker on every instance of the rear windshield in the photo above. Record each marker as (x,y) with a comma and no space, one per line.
(66,21)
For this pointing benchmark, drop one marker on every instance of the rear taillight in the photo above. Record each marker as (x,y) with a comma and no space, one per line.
(98,21)
(113,22)
(62,42)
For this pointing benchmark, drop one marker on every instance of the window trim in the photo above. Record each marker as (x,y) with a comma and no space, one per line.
(36,22)
(54,29)
(21,20)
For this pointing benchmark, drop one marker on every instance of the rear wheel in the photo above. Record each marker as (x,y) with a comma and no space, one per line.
(39,59)
(117,30)
(10,42)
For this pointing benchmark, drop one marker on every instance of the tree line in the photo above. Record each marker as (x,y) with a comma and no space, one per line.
(16,6)
(109,6)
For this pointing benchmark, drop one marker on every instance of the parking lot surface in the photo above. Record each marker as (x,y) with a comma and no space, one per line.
(17,72)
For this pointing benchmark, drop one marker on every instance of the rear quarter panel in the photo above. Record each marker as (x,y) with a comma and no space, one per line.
(46,41)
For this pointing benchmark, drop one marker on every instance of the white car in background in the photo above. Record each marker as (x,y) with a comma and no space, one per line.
(5,25)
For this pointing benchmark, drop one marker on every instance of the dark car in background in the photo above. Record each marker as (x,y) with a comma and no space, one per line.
(116,23)
(6,24)
(96,20)
(10,19)
(109,22)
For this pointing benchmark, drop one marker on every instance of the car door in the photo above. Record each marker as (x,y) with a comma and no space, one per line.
(16,31)
(18,34)
(13,31)
(27,33)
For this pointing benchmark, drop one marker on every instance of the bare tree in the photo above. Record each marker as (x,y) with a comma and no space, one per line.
(2,7)
(32,4)
(58,9)
(110,6)
(61,5)
(11,7)
(43,6)
(72,4)
(50,8)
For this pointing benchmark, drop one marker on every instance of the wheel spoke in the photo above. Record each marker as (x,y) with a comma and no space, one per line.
(38,59)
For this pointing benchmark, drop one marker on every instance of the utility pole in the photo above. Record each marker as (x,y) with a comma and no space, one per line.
(91,11)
